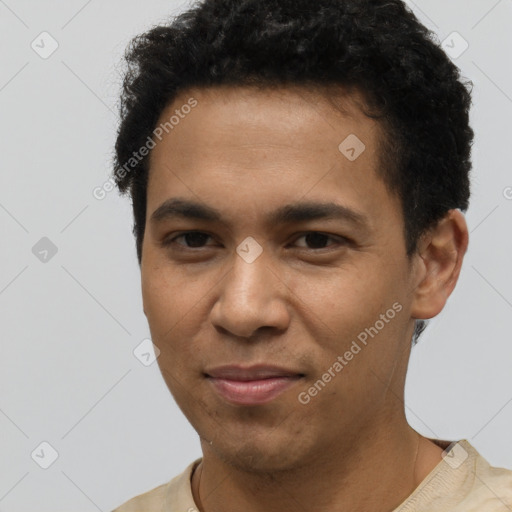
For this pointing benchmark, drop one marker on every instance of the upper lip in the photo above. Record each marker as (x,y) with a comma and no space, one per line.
(256,372)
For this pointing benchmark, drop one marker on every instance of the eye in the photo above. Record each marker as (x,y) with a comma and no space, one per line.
(317,238)
(194,238)
(197,239)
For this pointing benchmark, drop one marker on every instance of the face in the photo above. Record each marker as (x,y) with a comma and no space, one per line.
(307,304)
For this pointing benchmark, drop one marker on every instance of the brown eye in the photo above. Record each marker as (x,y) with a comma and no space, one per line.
(193,240)
(319,240)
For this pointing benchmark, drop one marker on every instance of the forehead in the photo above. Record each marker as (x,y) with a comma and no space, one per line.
(269,115)
(243,143)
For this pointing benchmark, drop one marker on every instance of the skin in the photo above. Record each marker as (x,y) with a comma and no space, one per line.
(300,304)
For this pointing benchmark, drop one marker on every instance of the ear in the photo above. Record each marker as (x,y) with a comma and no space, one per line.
(438,262)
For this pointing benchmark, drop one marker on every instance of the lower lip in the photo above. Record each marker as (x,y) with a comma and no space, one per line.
(253,392)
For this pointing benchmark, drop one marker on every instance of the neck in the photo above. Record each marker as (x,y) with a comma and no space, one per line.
(377,475)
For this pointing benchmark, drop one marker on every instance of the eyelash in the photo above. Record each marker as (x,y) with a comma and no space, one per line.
(168,242)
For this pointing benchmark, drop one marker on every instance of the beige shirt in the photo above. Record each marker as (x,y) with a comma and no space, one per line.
(462,482)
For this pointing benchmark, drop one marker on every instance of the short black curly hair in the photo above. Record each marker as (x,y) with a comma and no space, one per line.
(377,47)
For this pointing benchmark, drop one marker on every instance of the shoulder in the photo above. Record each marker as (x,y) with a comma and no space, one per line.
(470,484)
(174,495)
(151,500)
(463,481)
(491,488)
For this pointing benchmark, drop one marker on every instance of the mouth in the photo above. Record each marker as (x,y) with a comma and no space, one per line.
(255,385)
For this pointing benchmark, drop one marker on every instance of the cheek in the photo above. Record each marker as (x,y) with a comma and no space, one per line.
(342,301)
(342,311)
(176,308)
(168,297)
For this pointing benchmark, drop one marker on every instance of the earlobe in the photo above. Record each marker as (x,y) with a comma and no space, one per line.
(441,252)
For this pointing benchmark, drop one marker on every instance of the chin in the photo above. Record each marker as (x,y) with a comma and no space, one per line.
(258,458)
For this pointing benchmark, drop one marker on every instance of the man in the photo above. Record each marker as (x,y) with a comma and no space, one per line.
(298,171)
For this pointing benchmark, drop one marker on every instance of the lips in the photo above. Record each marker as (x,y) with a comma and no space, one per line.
(255,385)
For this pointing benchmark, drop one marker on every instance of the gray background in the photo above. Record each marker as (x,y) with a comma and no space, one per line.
(70,323)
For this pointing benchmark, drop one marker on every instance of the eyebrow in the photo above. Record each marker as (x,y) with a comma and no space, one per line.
(288,214)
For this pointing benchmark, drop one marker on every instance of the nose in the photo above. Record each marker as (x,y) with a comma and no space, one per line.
(252,296)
